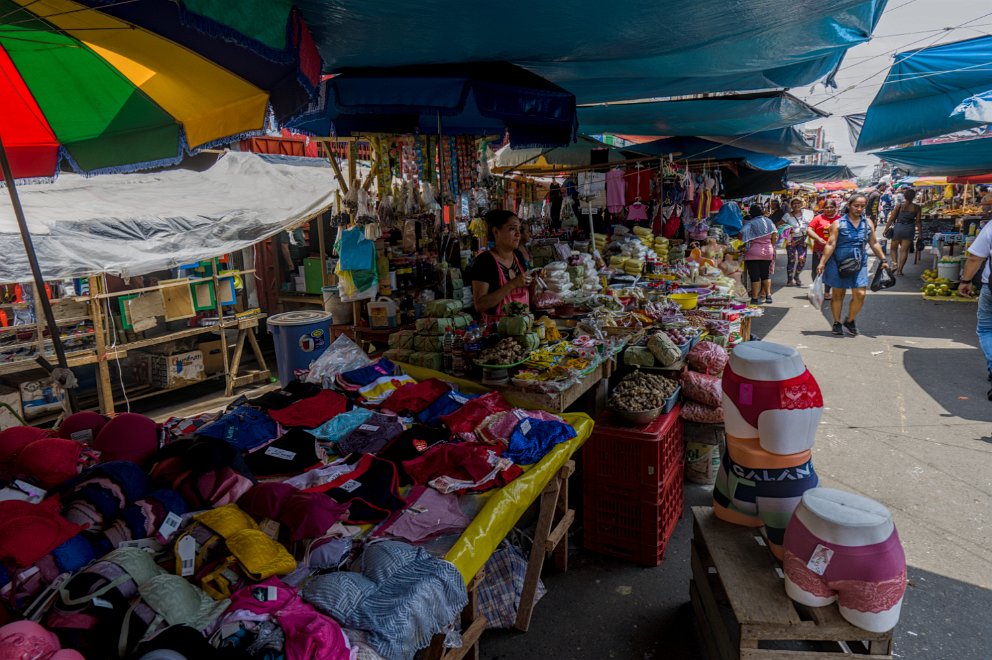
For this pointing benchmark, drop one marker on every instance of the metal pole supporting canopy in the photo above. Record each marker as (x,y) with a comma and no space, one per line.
(39,282)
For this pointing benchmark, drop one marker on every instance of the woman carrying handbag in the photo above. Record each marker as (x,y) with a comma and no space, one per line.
(845,262)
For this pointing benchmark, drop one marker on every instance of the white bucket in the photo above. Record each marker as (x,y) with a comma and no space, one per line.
(950,270)
(341,311)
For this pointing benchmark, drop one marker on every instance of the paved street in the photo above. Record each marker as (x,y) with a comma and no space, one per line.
(907,423)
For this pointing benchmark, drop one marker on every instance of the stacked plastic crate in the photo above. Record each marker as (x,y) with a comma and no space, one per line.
(632,489)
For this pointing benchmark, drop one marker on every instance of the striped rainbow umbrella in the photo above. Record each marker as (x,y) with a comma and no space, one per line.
(112,86)
(121,85)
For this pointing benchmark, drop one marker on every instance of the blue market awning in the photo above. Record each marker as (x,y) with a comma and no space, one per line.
(726,115)
(696,149)
(960,158)
(477,98)
(924,87)
(778,142)
(819,173)
(624,50)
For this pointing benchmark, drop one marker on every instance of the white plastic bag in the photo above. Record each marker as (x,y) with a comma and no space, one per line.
(816,293)
(341,356)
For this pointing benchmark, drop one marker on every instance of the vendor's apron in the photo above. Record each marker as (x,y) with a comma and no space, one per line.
(520,295)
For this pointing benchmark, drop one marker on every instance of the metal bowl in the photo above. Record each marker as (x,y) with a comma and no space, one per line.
(639,418)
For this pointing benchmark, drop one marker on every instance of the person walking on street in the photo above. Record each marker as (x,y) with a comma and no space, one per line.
(795,248)
(906,223)
(845,262)
(980,252)
(874,201)
(819,232)
(759,234)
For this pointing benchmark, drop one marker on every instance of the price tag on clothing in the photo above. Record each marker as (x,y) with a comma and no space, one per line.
(351,485)
(186,549)
(459,398)
(83,435)
(34,493)
(368,427)
(105,604)
(820,560)
(168,528)
(525,426)
(283,454)
(149,545)
(265,594)
(270,528)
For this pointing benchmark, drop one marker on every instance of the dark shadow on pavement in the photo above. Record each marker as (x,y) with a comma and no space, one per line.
(953,377)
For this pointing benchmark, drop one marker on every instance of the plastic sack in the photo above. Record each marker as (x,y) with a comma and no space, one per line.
(341,356)
(882,279)
(708,358)
(502,585)
(664,350)
(702,388)
(816,293)
(638,356)
(693,411)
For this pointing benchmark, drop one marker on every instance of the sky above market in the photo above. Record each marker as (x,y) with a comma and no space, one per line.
(905,25)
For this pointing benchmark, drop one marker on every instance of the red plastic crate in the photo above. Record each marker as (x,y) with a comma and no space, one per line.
(617,523)
(634,457)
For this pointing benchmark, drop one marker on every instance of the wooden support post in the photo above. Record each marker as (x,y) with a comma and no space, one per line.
(104,388)
(232,375)
(548,537)
(352,163)
(322,247)
(259,356)
(228,376)
(337,171)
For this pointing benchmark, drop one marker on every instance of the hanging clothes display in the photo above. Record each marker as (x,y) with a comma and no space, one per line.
(614,191)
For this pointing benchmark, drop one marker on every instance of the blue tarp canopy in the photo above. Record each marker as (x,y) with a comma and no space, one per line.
(696,149)
(922,91)
(604,52)
(726,115)
(779,142)
(819,173)
(960,158)
(477,98)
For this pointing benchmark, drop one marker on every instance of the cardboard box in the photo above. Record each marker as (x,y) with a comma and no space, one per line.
(213,357)
(175,370)
(12,398)
(38,397)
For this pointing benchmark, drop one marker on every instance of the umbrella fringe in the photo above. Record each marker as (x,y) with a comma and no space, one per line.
(212,28)
(129,168)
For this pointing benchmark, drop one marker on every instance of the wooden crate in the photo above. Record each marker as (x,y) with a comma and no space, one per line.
(742,611)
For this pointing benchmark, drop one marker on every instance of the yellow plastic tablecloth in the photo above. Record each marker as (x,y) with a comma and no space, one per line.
(504,506)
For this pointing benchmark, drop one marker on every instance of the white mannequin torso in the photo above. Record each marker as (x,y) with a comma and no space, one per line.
(844,518)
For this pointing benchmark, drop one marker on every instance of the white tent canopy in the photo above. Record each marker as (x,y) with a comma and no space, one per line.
(130,224)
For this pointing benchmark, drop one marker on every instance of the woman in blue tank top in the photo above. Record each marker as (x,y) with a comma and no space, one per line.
(849,237)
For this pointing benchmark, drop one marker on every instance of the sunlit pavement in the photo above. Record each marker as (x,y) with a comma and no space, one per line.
(907,423)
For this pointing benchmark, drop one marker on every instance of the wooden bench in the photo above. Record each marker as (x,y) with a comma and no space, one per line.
(742,611)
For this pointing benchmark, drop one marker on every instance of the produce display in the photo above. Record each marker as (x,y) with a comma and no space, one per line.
(507,351)
(936,286)
(641,391)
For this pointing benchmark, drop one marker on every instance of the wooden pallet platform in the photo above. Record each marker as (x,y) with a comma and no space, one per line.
(742,610)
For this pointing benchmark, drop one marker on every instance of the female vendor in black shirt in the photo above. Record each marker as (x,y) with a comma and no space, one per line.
(499,275)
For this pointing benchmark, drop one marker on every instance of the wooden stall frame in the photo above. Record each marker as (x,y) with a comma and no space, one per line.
(742,611)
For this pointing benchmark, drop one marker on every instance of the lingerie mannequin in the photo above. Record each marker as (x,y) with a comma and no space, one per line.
(755,488)
(844,547)
(769,394)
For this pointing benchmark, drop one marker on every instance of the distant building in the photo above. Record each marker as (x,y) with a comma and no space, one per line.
(825,155)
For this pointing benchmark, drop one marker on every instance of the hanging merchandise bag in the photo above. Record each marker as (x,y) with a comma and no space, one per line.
(882,279)
(816,293)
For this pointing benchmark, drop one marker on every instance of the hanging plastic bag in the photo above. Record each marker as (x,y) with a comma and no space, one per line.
(816,293)
(341,356)
(882,279)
